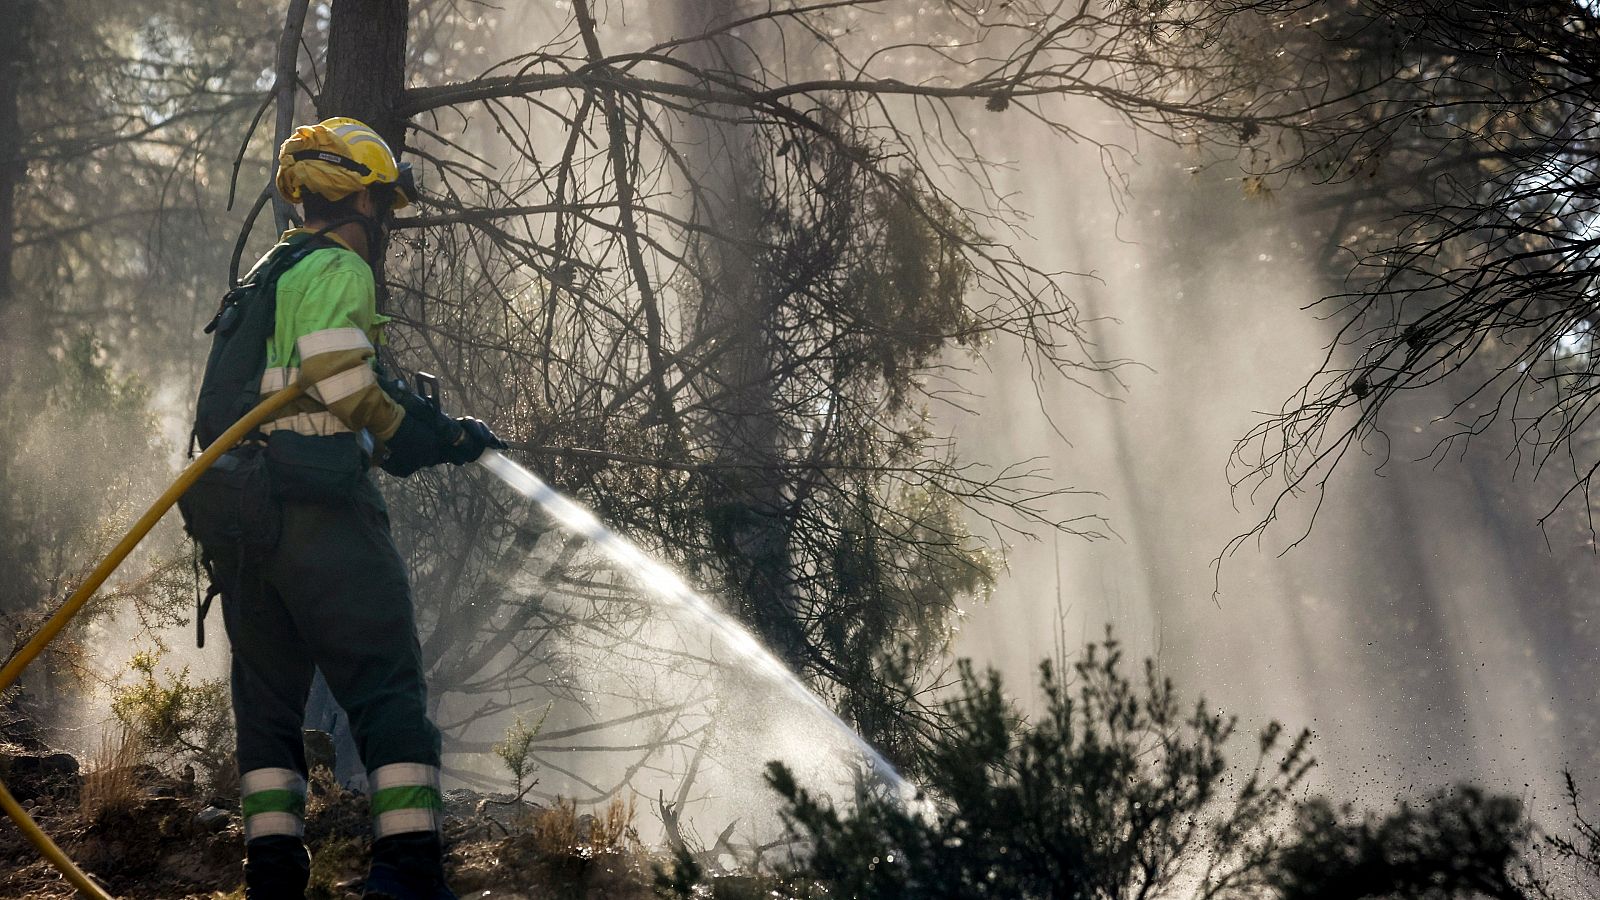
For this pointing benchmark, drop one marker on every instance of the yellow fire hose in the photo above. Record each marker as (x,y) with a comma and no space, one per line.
(13,667)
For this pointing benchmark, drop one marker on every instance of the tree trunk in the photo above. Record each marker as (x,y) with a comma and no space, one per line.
(367,66)
(367,79)
(286,88)
(746,502)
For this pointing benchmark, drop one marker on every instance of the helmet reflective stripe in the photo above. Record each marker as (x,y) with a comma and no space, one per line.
(354,134)
(353,138)
(405,797)
(273,802)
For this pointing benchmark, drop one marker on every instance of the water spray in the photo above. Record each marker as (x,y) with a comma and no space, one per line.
(662,583)
(651,575)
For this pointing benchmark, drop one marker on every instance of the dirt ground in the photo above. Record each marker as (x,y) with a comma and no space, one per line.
(157,837)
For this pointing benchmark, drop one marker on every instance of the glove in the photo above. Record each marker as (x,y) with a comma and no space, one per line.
(423,434)
(474,438)
(427,437)
(416,444)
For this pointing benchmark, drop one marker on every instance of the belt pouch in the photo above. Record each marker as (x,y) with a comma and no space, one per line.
(315,468)
(230,510)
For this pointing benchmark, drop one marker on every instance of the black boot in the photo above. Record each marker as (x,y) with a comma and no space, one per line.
(276,867)
(408,866)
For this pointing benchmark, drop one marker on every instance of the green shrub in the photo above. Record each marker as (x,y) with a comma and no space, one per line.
(176,718)
(1116,790)
(1456,843)
(517,749)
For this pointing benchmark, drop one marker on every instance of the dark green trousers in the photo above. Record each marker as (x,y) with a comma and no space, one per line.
(333,595)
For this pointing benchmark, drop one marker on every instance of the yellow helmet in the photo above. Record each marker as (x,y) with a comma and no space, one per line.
(337,157)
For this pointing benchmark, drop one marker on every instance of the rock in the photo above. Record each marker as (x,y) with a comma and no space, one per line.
(224,851)
(145,775)
(461,802)
(584,826)
(212,819)
(34,774)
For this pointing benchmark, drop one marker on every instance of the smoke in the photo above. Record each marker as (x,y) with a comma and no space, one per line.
(1420,626)
(85,455)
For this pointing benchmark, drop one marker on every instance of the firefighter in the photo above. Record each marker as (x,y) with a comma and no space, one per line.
(332,591)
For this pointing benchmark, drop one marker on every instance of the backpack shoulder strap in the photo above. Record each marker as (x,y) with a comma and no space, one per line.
(240,331)
(288,254)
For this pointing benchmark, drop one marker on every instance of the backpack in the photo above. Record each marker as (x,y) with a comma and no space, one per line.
(240,330)
(230,511)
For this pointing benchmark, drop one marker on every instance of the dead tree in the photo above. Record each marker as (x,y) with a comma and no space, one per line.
(708,280)
(1456,173)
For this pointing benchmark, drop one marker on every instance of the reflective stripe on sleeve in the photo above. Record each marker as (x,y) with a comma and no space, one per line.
(334,388)
(330,340)
(276,379)
(273,801)
(321,424)
(405,797)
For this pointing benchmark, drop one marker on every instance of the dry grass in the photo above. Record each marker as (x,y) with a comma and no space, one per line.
(580,857)
(555,831)
(613,826)
(111,786)
(560,830)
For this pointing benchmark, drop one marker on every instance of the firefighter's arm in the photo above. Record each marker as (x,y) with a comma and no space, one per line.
(335,354)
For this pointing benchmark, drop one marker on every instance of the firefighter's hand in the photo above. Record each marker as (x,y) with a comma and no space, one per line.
(413,446)
(475,437)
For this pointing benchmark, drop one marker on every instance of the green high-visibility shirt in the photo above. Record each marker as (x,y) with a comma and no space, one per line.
(324,337)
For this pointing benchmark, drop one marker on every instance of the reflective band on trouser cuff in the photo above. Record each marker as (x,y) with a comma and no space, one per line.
(274,802)
(334,388)
(276,379)
(405,797)
(319,423)
(331,340)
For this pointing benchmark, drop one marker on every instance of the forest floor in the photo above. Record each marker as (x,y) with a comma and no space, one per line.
(143,834)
